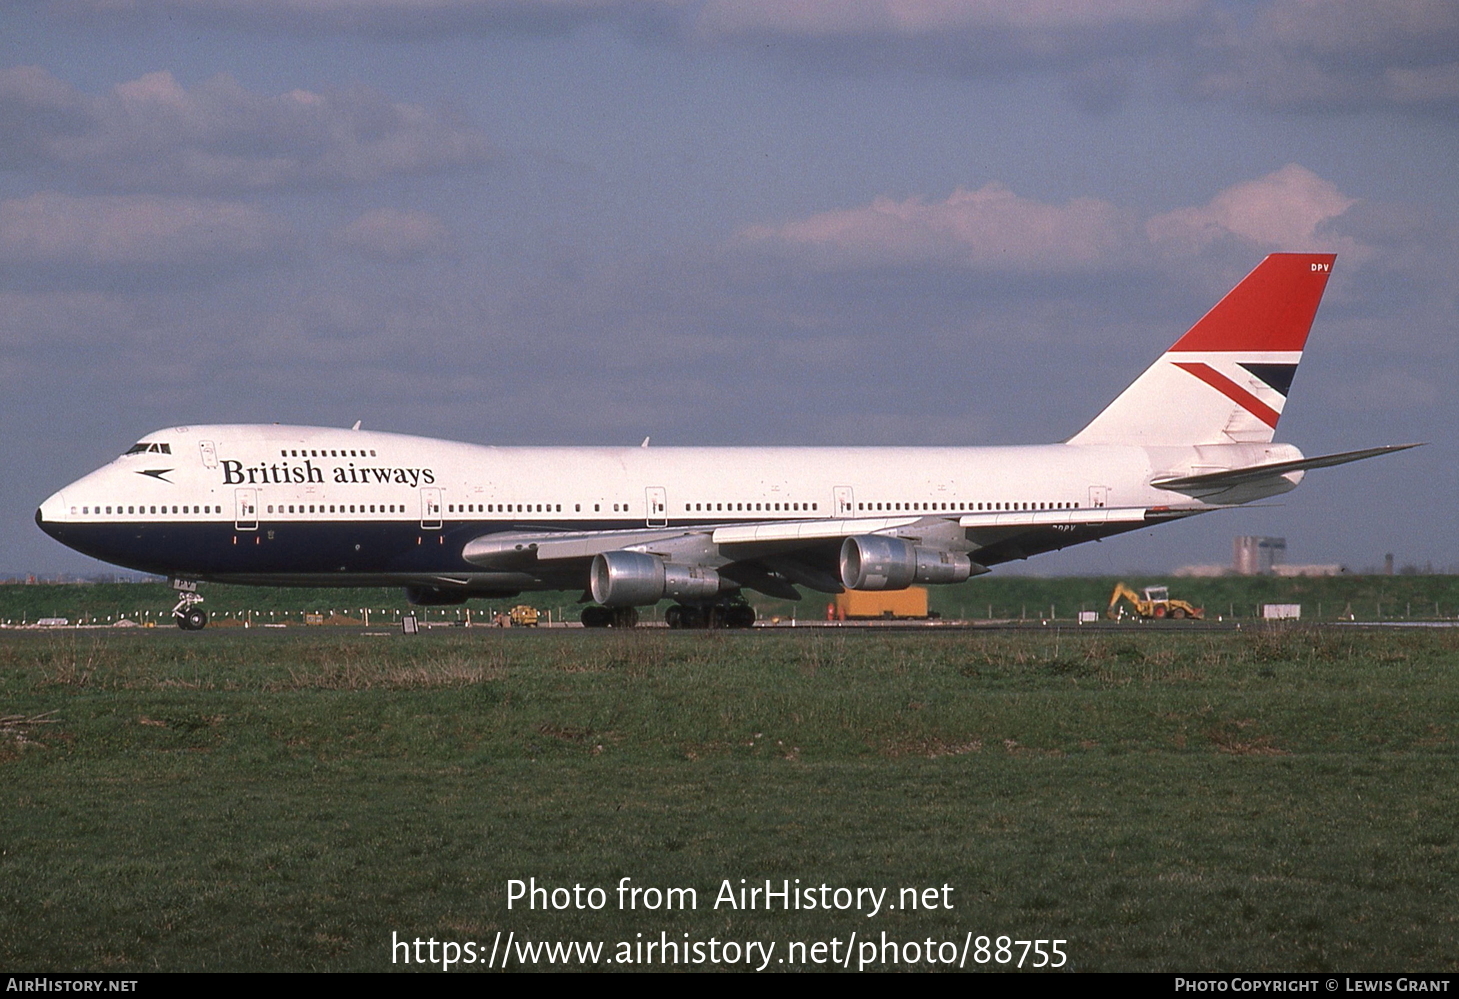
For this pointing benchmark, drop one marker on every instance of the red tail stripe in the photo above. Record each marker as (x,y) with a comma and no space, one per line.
(1271,309)
(1232,391)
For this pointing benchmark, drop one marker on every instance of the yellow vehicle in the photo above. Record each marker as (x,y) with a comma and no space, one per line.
(524,616)
(1156,603)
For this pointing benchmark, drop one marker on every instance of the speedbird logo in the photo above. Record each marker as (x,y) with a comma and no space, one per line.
(235,473)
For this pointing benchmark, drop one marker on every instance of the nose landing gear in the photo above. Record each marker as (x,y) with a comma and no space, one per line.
(189,616)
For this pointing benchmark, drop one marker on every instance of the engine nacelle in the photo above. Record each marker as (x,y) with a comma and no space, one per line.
(633,579)
(877,562)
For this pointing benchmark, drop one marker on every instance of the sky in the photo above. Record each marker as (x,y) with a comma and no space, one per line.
(726,222)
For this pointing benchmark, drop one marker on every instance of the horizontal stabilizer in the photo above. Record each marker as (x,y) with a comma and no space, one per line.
(1254,473)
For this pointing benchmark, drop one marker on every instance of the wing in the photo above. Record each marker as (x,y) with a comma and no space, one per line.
(775,557)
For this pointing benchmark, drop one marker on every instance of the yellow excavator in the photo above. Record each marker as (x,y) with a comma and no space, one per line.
(1156,603)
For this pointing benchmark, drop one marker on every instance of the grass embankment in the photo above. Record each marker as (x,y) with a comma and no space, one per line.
(266,800)
(1367,598)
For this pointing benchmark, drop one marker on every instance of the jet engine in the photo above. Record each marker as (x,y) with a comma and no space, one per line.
(631,579)
(877,562)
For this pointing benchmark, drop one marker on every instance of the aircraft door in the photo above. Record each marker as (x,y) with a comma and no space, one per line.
(657,505)
(209,453)
(245,509)
(430,509)
(842,498)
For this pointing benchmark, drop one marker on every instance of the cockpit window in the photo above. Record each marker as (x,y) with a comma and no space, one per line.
(151,447)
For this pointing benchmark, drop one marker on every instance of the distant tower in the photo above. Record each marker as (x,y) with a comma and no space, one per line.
(1253,556)
(1388,564)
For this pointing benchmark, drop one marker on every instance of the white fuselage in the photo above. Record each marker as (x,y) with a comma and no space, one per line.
(318,505)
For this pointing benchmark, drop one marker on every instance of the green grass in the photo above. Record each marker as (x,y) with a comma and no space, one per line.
(264,800)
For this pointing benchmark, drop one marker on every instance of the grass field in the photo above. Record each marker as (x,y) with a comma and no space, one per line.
(289,800)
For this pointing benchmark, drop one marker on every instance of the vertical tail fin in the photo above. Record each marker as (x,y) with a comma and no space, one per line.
(1227,379)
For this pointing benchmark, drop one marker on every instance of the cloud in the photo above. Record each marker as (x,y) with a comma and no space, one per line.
(1336,55)
(390,234)
(1293,54)
(396,17)
(995,230)
(1039,20)
(1286,210)
(153,134)
(1078,39)
(956,36)
(57,232)
(1312,55)
(988,229)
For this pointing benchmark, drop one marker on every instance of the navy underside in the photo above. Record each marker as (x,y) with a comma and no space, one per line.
(327,551)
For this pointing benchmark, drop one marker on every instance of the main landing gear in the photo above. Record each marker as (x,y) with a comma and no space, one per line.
(725,615)
(609,617)
(730,615)
(189,616)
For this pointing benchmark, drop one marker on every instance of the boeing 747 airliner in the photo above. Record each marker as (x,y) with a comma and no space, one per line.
(310,506)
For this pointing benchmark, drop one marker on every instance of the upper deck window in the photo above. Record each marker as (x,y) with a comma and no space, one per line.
(150,447)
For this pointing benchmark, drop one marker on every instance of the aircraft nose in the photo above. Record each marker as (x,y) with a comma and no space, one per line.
(51,515)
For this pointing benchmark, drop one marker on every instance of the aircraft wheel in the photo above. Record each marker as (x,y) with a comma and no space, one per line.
(672,617)
(596,617)
(193,619)
(624,617)
(739,616)
(690,617)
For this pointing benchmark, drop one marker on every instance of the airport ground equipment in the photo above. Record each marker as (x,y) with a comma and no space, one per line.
(863,605)
(1156,604)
